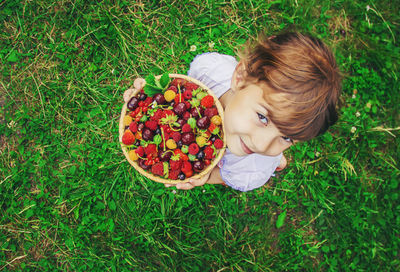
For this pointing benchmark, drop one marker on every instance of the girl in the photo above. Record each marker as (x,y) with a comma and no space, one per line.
(283,90)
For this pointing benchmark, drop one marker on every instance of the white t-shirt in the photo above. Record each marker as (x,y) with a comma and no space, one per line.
(243,173)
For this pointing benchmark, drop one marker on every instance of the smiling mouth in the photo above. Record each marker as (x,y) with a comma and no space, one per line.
(245,148)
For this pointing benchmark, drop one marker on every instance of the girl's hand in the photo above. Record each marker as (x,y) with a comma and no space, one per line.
(137,85)
(192,183)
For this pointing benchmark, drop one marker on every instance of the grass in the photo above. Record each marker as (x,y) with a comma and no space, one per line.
(70,201)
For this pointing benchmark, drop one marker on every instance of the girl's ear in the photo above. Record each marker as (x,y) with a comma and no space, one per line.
(239,75)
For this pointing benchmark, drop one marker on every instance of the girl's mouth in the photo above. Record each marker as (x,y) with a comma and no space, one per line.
(245,148)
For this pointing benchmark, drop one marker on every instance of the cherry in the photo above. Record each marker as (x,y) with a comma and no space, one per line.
(198,166)
(187,138)
(203,122)
(133,103)
(147,134)
(159,98)
(180,108)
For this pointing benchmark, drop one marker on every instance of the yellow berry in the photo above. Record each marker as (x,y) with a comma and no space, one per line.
(169,95)
(171,144)
(216,120)
(127,120)
(132,155)
(201,140)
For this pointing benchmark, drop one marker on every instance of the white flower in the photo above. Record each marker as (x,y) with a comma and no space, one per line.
(112,71)
(317,154)
(174,191)
(193,48)
(353,96)
(204,191)
(211,44)
(353,129)
(368,7)
(358,114)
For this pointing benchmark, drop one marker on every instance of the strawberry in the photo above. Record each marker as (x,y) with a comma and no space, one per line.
(194,148)
(148,100)
(186,167)
(150,149)
(209,152)
(213,129)
(140,151)
(157,115)
(128,138)
(210,112)
(176,136)
(133,127)
(178,98)
(173,174)
(158,169)
(186,128)
(207,101)
(218,143)
(180,154)
(152,125)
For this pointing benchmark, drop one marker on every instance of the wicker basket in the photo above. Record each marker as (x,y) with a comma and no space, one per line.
(160,179)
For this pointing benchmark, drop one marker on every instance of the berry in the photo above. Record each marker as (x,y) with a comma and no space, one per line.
(158,169)
(140,151)
(133,127)
(159,98)
(173,174)
(175,165)
(181,176)
(186,128)
(178,82)
(187,94)
(138,135)
(176,136)
(127,120)
(201,141)
(186,115)
(128,138)
(169,95)
(186,166)
(216,120)
(142,163)
(185,149)
(152,125)
(188,138)
(180,108)
(203,122)
(213,129)
(210,112)
(148,100)
(191,86)
(207,101)
(164,155)
(209,153)
(133,103)
(147,134)
(150,149)
(198,166)
(171,144)
(132,155)
(200,155)
(218,143)
(194,148)
(178,98)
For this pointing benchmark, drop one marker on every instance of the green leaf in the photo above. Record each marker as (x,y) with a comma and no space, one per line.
(164,81)
(151,80)
(281,220)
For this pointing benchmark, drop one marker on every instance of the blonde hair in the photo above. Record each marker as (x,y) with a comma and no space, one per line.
(304,71)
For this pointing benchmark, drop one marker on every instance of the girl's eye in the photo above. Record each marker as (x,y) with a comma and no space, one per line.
(287,139)
(263,119)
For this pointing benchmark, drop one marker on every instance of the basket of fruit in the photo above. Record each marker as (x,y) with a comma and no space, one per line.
(172,129)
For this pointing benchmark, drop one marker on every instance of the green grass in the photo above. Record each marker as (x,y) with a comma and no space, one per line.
(70,201)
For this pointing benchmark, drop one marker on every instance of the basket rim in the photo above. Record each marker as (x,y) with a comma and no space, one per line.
(160,179)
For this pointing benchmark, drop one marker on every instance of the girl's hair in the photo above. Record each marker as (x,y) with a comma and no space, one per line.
(303,72)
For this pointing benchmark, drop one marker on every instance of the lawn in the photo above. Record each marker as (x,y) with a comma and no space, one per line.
(69,200)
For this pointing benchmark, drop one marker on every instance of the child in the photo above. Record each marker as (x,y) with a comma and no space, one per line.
(283,90)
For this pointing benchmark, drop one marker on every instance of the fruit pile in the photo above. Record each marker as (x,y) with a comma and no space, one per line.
(173,132)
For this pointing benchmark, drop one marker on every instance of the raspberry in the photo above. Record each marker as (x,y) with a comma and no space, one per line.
(140,151)
(132,155)
(186,167)
(158,169)
(207,101)
(157,115)
(128,138)
(187,94)
(175,165)
(133,127)
(218,143)
(186,128)
(150,149)
(169,95)
(209,153)
(201,141)
(191,86)
(176,136)
(173,174)
(127,120)
(210,112)
(216,119)
(148,100)
(152,125)
(194,148)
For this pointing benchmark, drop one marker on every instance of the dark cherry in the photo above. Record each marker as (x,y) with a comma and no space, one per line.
(142,96)
(147,134)
(200,155)
(181,176)
(179,144)
(140,126)
(159,98)
(195,112)
(143,165)
(164,155)
(188,138)
(180,108)
(157,131)
(213,138)
(181,122)
(133,103)
(198,166)
(203,122)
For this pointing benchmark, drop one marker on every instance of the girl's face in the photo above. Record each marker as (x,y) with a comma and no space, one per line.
(247,126)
